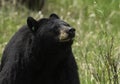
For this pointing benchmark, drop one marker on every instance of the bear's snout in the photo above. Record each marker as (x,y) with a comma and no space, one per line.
(71,32)
(66,33)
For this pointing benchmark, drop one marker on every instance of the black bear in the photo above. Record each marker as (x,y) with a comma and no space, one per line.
(40,53)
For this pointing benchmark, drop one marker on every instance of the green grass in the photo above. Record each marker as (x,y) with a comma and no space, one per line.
(96,47)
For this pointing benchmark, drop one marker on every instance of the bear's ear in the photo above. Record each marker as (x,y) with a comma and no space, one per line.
(32,24)
(54,16)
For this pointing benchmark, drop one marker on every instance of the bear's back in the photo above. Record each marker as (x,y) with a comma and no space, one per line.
(16,45)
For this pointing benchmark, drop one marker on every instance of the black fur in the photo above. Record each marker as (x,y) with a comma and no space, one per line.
(35,55)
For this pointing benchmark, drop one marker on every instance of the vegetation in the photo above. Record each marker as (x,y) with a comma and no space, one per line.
(96,46)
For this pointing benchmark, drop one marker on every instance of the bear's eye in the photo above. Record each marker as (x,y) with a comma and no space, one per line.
(56,30)
(67,25)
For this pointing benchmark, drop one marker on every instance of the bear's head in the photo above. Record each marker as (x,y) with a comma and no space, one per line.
(51,30)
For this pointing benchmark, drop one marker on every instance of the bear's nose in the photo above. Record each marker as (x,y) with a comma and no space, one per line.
(71,32)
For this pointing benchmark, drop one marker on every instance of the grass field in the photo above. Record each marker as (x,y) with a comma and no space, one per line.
(97,43)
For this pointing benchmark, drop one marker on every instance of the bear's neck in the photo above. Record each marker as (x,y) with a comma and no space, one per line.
(48,57)
(53,56)
(56,48)
(55,51)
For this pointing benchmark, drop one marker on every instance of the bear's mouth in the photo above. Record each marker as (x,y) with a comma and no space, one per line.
(67,39)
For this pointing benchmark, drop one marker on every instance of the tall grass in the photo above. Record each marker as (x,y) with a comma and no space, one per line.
(96,46)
